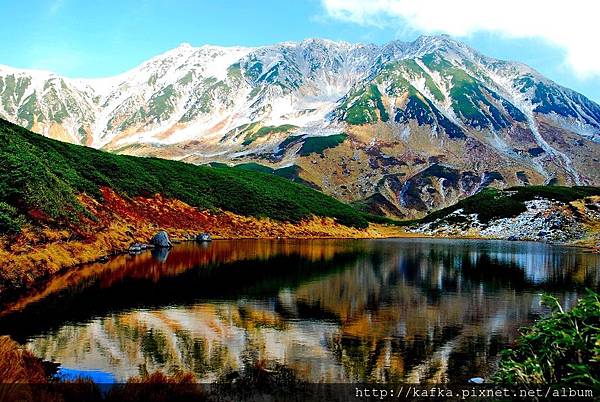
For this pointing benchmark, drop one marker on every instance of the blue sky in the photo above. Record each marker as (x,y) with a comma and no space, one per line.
(103,38)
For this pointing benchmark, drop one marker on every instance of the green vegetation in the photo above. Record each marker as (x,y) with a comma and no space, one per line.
(563,348)
(319,144)
(264,131)
(492,203)
(252,166)
(235,72)
(255,91)
(362,108)
(41,177)
(291,172)
(384,220)
(162,104)
(152,80)
(289,140)
(549,99)
(58,113)
(524,82)
(418,107)
(470,99)
(28,110)
(186,79)
(207,92)
(137,117)
(434,61)
(466,95)
(255,70)
(416,71)
(239,131)
(8,85)
(10,219)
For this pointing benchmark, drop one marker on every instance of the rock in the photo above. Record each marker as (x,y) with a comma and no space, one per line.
(512,238)
(135,248)
(204,237)
(161,239)
(476,380)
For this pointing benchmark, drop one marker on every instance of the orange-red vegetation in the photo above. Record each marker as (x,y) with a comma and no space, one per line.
(18,366)
(18,369)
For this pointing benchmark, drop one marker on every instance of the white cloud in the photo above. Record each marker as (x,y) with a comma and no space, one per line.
(572,25)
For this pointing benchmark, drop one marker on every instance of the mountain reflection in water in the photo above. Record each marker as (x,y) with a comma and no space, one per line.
(331,310)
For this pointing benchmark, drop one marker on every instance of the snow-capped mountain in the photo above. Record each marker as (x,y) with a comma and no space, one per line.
(399,127)
(188,93)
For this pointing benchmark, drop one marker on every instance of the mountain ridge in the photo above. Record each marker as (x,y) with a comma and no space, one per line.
(434,100)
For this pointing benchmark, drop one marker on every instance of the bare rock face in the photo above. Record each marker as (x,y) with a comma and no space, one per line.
(161,239)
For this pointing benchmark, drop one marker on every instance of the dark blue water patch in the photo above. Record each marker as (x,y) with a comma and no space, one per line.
(97,376)
(521,175)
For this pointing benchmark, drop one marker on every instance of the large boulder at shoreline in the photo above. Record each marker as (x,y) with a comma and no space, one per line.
(161,239)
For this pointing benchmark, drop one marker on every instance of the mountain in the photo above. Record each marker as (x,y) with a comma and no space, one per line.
(398,129)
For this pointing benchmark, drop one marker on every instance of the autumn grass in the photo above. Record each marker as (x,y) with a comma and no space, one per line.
(18,369)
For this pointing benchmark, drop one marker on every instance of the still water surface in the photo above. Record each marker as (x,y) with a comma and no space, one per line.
(411,310)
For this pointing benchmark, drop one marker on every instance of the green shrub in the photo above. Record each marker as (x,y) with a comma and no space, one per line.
(319,144)
(364,104)
(10,219)
(562,348)
(267,130)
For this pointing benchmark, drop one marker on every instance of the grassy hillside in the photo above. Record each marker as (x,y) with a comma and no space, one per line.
(40,179)
(320,144)
(492,203)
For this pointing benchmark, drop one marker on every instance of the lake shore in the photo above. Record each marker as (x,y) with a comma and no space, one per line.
(37,255)
(39,252)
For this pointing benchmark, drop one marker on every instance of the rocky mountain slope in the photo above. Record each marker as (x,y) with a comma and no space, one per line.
(398,129)
(568,215)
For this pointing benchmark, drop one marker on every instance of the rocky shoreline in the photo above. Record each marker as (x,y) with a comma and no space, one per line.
(575,223)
